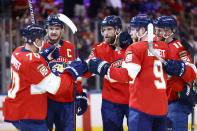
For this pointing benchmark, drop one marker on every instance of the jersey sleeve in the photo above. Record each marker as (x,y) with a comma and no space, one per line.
(178,52)
(43,80)
(132,62)
(79,85)
(191,71)
(118,74)
(93,53)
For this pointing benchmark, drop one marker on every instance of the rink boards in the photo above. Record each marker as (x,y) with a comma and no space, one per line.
(90,121)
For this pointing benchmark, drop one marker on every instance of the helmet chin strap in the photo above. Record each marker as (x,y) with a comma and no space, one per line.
(139,37)
(166,37)
(115,37)
(39,47)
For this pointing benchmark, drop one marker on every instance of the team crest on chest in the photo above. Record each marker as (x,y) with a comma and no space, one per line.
(58,66)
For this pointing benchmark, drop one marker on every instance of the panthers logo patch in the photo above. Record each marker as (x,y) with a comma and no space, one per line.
(57,67)
(117,63)
(42,69)
(129,56)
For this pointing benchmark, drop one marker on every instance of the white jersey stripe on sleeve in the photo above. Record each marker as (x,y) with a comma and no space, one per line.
(133,69)
(50,84)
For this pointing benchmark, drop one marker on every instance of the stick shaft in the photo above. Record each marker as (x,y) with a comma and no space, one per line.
(75,85)
(74,106)
(150,43)
(31,12)
(193,108)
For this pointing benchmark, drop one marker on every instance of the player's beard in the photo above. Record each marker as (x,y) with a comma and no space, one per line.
(54,39)
(160,39)
(134,38)
(110,40)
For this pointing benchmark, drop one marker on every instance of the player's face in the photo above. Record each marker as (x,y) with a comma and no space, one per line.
(54,33)
(159,32)
(108,33)
(133,32)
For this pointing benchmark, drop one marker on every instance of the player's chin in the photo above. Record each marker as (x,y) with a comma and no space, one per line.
(54,38)
(160,39)
(108,40)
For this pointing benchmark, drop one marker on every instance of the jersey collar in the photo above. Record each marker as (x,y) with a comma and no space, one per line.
(24,50)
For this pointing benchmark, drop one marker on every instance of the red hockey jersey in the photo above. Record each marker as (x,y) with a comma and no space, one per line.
(113,90)
(66,55)
(176,84)
(147,78)
(30,80)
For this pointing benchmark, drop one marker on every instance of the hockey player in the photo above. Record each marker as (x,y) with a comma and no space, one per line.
(115,95)
(60,107)
(148,103)
(178,110)
(26,103)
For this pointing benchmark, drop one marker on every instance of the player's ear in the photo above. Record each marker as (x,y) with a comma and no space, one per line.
(118,31)
(142,30)
(169,31)
(37,41)
(47,34)
(62,30)
(47,31)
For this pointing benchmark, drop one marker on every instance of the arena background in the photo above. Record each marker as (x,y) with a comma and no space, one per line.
(87,15)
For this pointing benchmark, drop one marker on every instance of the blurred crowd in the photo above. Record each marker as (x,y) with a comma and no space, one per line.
(87,14)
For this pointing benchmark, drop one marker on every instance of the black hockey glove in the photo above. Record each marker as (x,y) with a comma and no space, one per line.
(52,50)
(175,67)
(82,103)
(188,96)
(125,39)
(77,68)
(97,66)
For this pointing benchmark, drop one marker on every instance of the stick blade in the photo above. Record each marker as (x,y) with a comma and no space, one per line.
(68,22)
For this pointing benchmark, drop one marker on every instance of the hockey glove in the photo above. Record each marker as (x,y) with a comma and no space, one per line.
(55,53)
(97,66)
(82,103)
(77,68)
(188,96)
(175,67)
(50,53)
(125,39)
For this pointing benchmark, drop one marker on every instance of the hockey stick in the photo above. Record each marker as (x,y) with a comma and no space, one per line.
(188,47)
(72,26)
(150,43)
(33,21)
(31,12)
(193,108)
